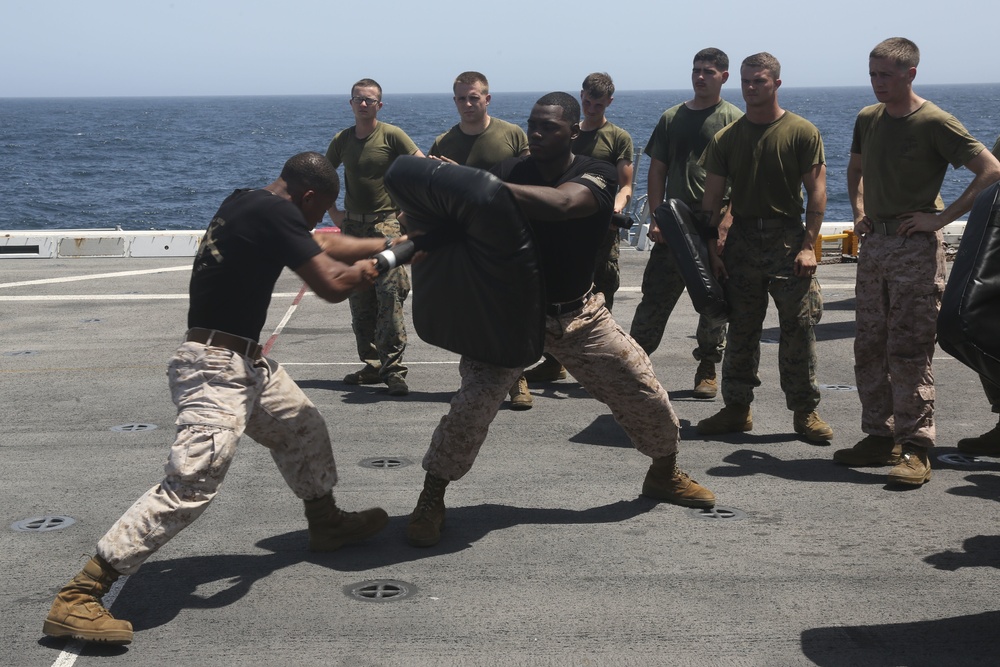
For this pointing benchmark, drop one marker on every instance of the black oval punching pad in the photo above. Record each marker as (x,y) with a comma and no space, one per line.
(479,290)
(969,322)
(678,225)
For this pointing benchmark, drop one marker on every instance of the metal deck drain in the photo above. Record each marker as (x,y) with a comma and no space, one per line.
(838,387)
(43,524)
(380,590)
(722,513)
(132,428)
(966,460)
(386,462)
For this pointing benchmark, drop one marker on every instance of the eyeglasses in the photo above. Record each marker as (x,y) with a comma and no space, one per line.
(370,101)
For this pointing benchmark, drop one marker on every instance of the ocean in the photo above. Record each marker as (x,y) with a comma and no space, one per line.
(167,163)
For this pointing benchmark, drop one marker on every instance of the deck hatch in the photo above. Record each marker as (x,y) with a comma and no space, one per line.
(720,513)
(380,590)
(133,428)
(43,524)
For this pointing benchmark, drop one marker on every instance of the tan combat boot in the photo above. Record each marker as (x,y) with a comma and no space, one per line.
(811,427)
(520,397)
(913,469)
(77,611)
(872,450)
(665,481)
(397,386)
(427,519)
(705,384)
(988,444)
(730,419)
(331,527)
(367,375)
(549,370)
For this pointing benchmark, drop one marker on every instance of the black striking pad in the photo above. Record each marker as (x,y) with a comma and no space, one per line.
(479,292)
(969,323)
(683,233)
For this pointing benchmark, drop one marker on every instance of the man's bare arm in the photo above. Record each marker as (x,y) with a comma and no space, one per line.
(569,200)
(335,281)
(987,170)
(656,180)
(814,183)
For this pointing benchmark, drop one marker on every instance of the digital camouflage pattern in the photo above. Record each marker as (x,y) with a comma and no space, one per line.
(662,286)
(899,286)
(759,263)
(377,312)
(220,395)
(603,359)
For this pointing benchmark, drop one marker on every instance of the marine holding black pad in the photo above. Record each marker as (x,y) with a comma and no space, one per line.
(969,322)
(478,292)
(686,240)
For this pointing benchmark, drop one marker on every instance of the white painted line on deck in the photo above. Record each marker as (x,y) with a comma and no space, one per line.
(96,276)
(112,297)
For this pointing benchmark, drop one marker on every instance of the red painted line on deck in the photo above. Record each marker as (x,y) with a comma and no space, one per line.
(274,337)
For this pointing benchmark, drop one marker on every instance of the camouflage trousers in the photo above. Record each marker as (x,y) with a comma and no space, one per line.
(599,354)
(377,312)
(607,273)
(662,286)
(220,394)
(899,286)
(761,262)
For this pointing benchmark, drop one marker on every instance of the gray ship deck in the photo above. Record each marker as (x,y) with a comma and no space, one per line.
(550,557)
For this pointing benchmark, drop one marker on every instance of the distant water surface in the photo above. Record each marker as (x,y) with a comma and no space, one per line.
(167,163)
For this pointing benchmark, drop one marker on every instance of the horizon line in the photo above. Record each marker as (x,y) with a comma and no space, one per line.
(492,92)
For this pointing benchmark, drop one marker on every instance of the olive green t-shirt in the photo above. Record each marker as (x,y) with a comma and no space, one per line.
(904,160)
(996,149)
(608,142)
(365,163)
(765,164)
(680,138)
(499,141)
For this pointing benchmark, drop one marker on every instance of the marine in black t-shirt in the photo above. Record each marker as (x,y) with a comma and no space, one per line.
(252,238)
(568,248)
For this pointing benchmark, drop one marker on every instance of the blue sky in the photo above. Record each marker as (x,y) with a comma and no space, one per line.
(224,47)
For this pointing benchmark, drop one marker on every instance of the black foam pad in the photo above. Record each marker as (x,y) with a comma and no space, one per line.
(969,323)
(683,236)
(479,292)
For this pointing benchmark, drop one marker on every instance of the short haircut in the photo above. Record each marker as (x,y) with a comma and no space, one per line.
(471,78)
(900,50)
(570,107)
(598,85)
(310,171)
(713,55)
(368,83)
(764,60)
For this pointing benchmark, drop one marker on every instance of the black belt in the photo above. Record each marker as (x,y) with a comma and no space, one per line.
(766,223)
(215,338)
(557,309)
(888,228)
(369,217)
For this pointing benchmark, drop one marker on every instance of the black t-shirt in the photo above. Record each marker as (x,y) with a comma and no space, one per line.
(568,248)
(254,235)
